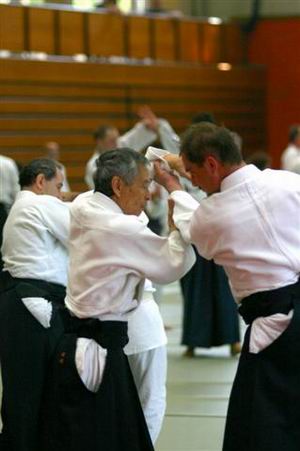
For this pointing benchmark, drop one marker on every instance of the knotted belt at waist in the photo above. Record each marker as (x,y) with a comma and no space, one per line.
(108,334)
(56,291)
(267,303)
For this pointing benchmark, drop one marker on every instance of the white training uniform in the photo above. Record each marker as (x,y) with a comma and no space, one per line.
(35,238)
(258,258)
(111,254)
(147,356)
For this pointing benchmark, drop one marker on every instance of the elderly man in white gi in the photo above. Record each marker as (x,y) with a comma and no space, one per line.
(250,224)
(91,392)
(32,286)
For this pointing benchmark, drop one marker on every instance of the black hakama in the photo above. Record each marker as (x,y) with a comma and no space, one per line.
(210,316)
(77,419)
(25,350)
(264,406)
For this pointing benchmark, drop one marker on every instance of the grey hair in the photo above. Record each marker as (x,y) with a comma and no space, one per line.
(123,162)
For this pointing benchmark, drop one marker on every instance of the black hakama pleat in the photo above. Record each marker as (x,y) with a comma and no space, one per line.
(76,419)
(25,350)
(264,406)
(210,314)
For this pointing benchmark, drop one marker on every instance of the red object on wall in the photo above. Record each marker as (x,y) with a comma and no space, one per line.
(275,43)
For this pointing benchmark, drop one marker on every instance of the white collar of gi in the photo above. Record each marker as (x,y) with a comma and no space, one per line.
(25,193)
(111,205)
(106,202)
(239,176)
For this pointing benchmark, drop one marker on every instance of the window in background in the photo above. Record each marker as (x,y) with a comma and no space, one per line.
(125,6)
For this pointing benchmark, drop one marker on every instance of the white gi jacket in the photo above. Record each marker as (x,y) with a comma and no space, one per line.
(137,138)
(251,228)
(35,238)
(9,181)
(111,254)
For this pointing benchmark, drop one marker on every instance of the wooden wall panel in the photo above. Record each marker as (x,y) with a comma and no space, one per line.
(210,43)
(12,31)
(189,48)
(41,30)
(65,102)
(106,34)
(164,42)
(138,37)
(71,32)
(234,44)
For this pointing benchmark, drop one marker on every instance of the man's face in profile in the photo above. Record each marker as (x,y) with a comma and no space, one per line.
(53,187)
(134,197)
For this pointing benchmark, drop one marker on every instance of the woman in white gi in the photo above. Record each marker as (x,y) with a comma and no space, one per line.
(250,225)
(111,253)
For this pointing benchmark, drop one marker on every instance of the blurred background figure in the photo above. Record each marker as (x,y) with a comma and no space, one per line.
(260,159)
(291,155)
(52,151)
(209,311)
(146,131)
(156,7)
(109,6)
(9,187)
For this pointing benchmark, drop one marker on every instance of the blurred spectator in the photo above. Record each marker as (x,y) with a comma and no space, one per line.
(109,6)
(9,187)
(260,159)
(210,312)
(291,155)
(156,7)
(204,116)
(52,151)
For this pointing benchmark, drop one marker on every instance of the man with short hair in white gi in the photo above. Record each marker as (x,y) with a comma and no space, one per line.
(92,402)
(250,224)
(145,132)
(32,286)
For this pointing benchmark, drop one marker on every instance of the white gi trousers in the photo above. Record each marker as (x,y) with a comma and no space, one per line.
(149,370)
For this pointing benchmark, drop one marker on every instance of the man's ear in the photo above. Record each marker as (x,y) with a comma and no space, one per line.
(117,185)
(40,183)
(211,164)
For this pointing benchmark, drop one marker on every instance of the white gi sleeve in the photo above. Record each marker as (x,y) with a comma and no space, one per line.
(185,206)
(137,138)
(57,218)
(89,171)
(168,137)
(160,259)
